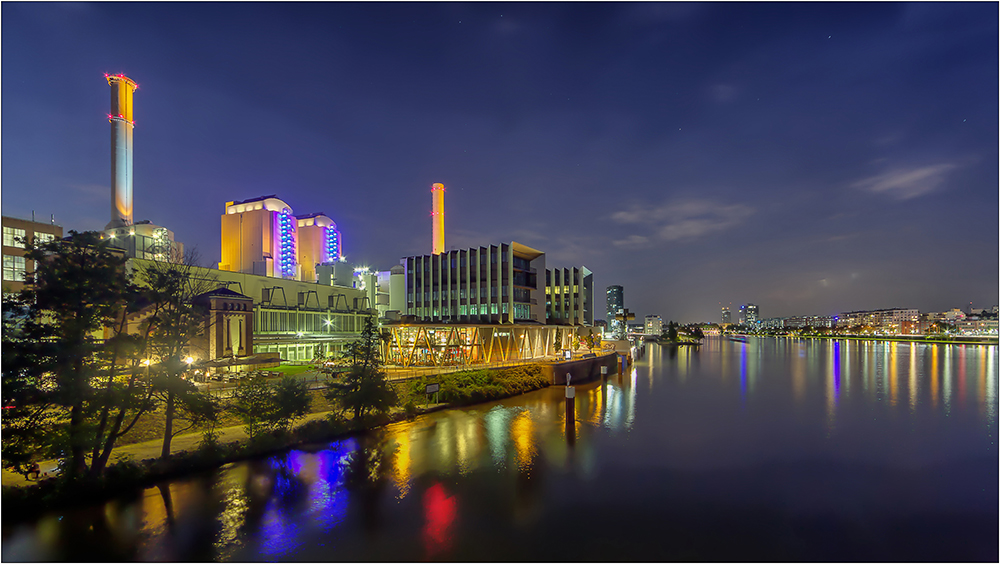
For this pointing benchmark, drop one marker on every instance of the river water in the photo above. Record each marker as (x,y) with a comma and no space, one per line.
(774,449)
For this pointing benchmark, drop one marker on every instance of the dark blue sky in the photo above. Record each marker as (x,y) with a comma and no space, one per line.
(809,158)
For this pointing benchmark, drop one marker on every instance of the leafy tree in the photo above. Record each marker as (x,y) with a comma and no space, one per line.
(174,318)
(253,404)
(71,315)
(264,408)
(28,411)
(671,333)
(291,401)
(364,390)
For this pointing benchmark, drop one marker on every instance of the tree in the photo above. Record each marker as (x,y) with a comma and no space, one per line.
(364,389)
(264,408)
(71,313)
(671,333)
(174,319)
(28,411)
(253,405)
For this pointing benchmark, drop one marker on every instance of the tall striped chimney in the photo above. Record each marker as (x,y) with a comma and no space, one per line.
(437,218)
(122,125)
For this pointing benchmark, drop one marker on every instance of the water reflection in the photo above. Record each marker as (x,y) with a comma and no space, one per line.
(443,484)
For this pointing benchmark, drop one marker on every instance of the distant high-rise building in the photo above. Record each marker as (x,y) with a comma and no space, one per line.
(616,304)
(752,315)
(727,317)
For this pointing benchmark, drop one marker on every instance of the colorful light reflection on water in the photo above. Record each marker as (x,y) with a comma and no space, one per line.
(772,434)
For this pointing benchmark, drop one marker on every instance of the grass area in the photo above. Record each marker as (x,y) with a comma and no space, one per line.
(150,426)
(293,369)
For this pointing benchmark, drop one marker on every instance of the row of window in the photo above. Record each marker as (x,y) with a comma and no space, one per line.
(14,237)
(462,294)
(473,309)
(269,321)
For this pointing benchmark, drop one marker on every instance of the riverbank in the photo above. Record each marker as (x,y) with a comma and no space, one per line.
(139,465)
(900,339)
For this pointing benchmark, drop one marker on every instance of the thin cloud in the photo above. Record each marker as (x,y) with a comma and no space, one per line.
(904,184)
(680,220)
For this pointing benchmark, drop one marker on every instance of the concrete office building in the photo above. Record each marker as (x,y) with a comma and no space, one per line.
(727,317)
(653,325)
(569,296)
(18,234)
(893,320)
(481,305)
(495,284)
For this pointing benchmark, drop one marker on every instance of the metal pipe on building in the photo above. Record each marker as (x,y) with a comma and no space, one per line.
(122,124)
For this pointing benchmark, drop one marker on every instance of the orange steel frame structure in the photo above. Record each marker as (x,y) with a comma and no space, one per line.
(459,345)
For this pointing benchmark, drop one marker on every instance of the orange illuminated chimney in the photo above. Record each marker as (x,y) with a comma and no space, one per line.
(437,218)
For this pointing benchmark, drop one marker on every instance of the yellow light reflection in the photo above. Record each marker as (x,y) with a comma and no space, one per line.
(934,376)
(401,462)
(893,374)
(522,431)
(913,377)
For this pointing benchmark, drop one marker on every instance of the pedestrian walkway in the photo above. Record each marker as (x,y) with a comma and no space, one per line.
(152,449)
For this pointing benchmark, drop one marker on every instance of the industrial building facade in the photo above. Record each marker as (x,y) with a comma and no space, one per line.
(261,236)
(253,314)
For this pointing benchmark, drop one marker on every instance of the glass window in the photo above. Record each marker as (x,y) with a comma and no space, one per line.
(13,267)
(10,236)
(43,237)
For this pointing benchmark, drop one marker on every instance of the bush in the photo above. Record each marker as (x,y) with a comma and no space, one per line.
(473,386)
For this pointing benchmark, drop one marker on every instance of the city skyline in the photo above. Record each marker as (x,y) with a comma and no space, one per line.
(812,159)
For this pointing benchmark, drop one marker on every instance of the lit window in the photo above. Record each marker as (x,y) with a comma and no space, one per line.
(11,236)
(13,267)
(43,237)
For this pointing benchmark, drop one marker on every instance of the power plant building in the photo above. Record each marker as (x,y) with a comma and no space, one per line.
(262,236)
(139,239)
(319,243)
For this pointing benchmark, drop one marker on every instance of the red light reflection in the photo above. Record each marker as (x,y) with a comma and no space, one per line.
(439,513)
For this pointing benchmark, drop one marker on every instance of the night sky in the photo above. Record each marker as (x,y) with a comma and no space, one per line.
(809,158)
